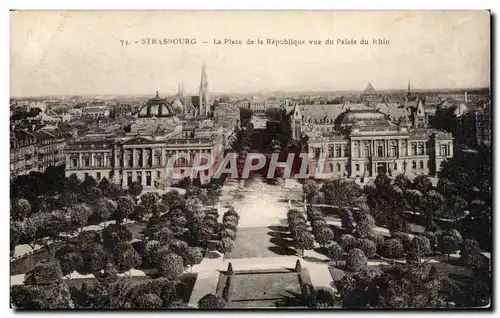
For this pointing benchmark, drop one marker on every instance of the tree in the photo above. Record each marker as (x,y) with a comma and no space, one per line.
(126,257)
(356,260)
(403,182)
(446,187)
(335,252)
(114,234)
(28,297)
(448,244)
(173,200)
(432,203)
(433,240)
(20,209)
(125,207)
(228,233)
(473,258)
(148,200)
(347,220)
(304,241)
(148,301)
(340,192)
(323,235)
(310,189)
(210,301)
(171,266)
(193,257)
(455,207)
(225,245)
(364,227)
(94,258)
(103,209)
(414,199)
(70,262)
(347,242)
(422,183)
(135,189)
(164,235)
(367,246)
(392,248)
(323,298)
(468,245)
(420,246)
(80,214)
(45,272)
(408,286)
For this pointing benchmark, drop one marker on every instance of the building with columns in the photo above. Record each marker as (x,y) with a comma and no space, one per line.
(141,152)
(367,142)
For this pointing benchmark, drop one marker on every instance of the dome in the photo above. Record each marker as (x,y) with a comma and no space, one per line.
(156,107)
(369,117)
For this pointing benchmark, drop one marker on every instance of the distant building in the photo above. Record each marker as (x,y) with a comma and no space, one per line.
(367,142)
(142,154)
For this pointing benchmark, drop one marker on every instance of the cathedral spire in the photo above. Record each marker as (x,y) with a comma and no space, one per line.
(204,108)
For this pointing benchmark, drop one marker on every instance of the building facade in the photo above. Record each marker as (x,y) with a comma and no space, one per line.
(35,151)
(367,142)
(142,155)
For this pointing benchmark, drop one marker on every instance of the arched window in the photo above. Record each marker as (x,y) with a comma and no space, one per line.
(421,164)
(338,167)
(414,164)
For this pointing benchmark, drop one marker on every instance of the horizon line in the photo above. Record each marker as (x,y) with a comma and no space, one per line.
(253,92)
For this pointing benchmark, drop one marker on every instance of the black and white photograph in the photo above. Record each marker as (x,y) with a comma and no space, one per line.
(216,160)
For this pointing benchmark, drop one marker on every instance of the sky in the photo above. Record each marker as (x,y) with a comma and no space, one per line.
(80,52)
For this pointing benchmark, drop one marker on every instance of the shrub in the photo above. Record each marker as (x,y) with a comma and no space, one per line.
(228,233)
(148,301)
(171,266)
(392,248)
(226,245)
(46,272)
(368,247)
(211,301)
(323,235)
(356,260)
(304,241)
(334,251)
(318,224)
(347,241)
(364,228)
(232,225)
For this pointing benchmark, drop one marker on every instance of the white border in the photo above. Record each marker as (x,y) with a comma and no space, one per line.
(212,5)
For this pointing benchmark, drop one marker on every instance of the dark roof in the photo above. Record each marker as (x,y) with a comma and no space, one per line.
(366,117)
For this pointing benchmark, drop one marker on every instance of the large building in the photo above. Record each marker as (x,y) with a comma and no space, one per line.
(34,150)
(141,152)
(367,142)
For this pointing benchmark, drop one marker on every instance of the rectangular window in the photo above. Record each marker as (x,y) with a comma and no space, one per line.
(317,152)
(158,160)
(330,152)
(357,167)
(86,162)
(148,180)
(380,151)
(338,152)
(74,162)
(98,162)
(158,174)
(414,149)
(98,175)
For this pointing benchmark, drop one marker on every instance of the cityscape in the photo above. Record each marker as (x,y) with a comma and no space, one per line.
(309,199)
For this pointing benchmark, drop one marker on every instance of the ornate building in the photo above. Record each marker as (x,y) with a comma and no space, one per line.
(142,154)
(366,142)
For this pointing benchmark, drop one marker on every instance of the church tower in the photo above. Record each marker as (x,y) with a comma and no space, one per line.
(203,94)
(408,92)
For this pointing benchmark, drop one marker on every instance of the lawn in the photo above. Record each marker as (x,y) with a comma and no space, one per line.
(262,242)
(262,289)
